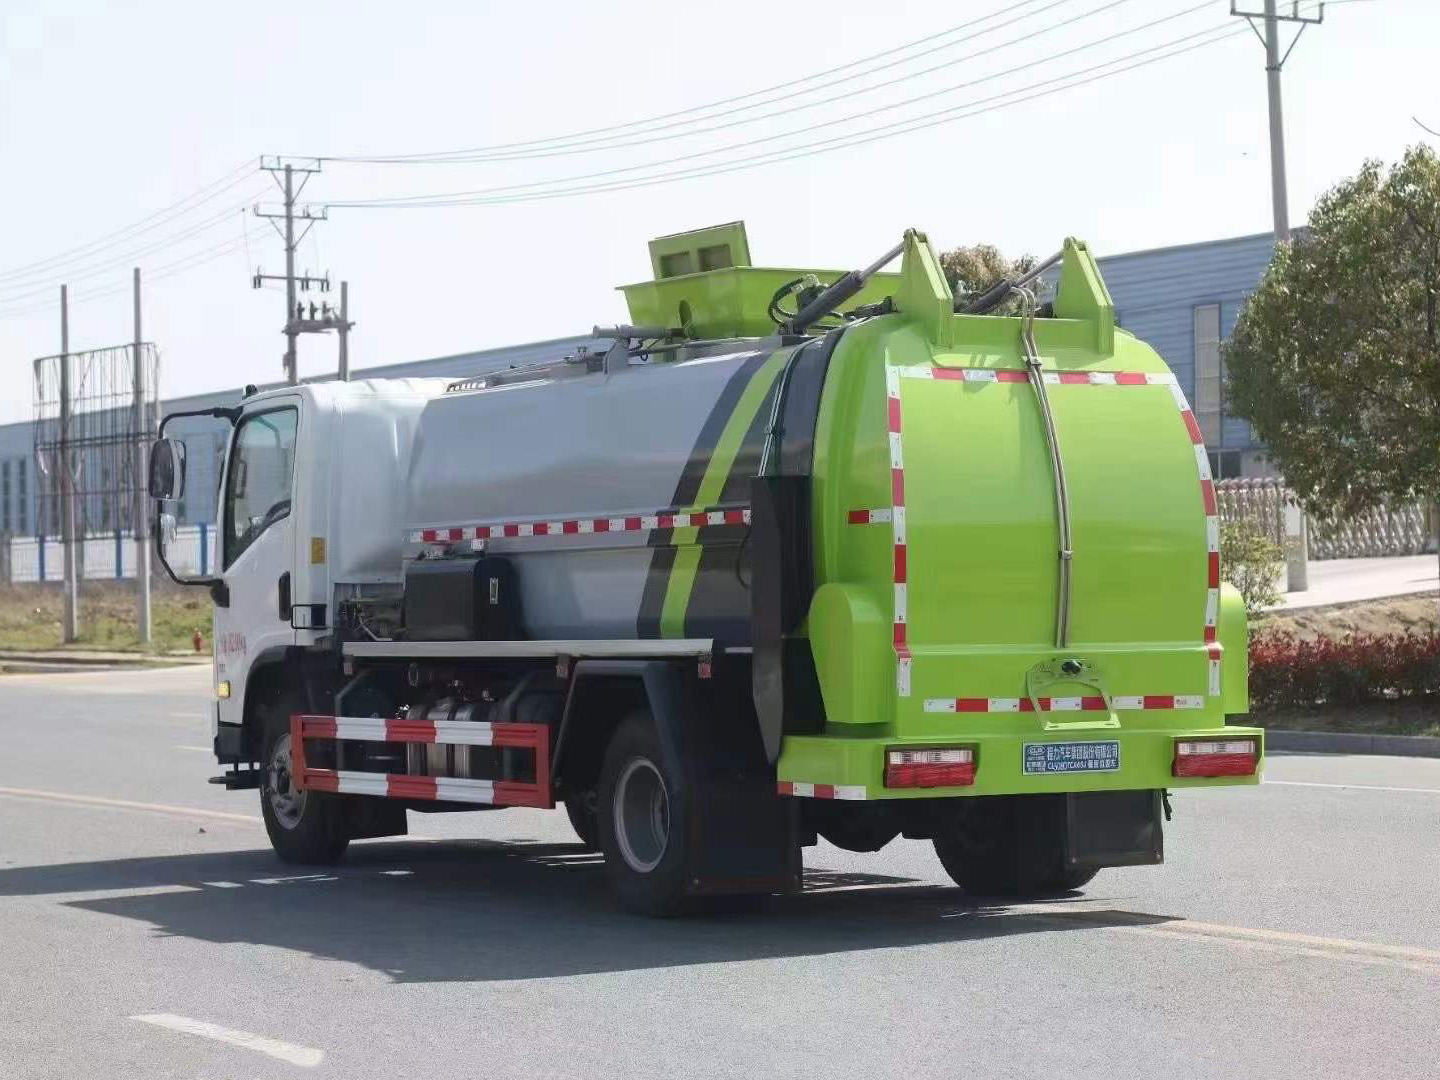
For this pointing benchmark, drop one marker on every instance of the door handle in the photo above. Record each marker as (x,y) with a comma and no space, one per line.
(285,596)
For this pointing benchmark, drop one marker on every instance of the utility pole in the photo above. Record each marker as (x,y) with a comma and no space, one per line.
(71,625)
(1274,62)
(294,320)
(345,325)
(141,518)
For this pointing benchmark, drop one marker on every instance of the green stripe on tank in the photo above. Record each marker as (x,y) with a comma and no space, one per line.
(687,557)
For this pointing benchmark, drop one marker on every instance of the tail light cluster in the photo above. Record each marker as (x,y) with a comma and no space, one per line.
(951,766)
(1216,757)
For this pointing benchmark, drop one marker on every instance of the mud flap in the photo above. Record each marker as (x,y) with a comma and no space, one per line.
(743,837)
(1113,828)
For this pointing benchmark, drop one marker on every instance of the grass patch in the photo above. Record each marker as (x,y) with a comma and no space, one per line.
(30,617)
(1415,615)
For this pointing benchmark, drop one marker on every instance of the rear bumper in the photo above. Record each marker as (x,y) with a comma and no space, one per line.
(853,767)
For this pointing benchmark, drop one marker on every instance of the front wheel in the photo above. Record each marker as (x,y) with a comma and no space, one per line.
(642,821)
(305,827)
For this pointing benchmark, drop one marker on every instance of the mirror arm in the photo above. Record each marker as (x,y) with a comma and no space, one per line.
(219,413)
(212,583)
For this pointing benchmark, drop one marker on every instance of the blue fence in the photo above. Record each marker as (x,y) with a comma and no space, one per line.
(104,556)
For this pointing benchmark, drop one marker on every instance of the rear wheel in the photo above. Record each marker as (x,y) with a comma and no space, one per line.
(642,821)
(305,827)
(1010,847)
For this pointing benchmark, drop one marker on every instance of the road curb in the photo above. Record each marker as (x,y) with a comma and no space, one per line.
(1343,742)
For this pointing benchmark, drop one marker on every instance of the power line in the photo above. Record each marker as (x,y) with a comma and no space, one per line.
(570,146)
(69,275)
(499,194)
(740,97)
(176,209)
(790,110)
(179,266)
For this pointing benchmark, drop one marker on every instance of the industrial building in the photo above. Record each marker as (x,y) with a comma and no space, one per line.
(1183,300)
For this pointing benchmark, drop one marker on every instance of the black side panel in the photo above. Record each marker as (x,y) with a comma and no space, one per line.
(780,592)
(786,689)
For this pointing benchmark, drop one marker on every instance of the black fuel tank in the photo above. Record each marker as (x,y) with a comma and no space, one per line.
(462,598)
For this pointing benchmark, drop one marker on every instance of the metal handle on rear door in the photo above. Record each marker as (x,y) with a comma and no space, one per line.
(1080,672)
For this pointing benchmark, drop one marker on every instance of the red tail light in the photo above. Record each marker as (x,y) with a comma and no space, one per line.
(932,767)
(1216,757)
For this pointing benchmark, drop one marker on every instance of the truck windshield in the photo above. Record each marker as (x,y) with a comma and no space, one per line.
(257,489)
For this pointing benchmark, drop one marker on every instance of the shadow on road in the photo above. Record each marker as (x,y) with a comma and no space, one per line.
(483,910)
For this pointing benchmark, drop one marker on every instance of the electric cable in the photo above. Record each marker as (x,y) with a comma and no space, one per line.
(499,195)
(788,85)
(176,209)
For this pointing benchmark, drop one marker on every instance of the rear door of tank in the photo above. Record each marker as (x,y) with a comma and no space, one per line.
(984,540)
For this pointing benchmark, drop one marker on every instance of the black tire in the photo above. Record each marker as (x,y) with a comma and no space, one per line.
(310,828)
(581,807)
(1012,848)
(643,821)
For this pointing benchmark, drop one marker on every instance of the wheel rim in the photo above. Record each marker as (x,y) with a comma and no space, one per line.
(642,815)
(286,803)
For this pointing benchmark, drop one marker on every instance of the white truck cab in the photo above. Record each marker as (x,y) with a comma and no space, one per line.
(292,526)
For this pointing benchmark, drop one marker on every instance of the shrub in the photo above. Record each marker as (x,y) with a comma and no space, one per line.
(1291,672)
(1251,561)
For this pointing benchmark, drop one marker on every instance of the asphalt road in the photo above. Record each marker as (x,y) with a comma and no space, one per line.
(146,931)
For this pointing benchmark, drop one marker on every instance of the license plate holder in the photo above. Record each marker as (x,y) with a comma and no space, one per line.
(1089,756)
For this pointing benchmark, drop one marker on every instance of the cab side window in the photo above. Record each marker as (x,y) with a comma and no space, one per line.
(259,479)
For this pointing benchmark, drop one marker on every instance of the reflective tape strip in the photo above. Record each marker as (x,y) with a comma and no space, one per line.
(359,783)
(882,516)
(1064,704)
(854,792)
(398,786)
(509,530)
(894,427)
(405,730)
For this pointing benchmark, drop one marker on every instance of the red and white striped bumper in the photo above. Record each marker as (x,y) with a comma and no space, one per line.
(534,737)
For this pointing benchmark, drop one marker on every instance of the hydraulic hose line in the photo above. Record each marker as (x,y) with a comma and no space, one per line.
(1057,464)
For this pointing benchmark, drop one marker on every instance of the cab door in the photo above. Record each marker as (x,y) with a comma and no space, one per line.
(256,547)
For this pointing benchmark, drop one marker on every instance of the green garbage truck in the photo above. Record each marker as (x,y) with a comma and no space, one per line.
(791,554)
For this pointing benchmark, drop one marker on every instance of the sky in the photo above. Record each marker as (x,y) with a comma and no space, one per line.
(111,112)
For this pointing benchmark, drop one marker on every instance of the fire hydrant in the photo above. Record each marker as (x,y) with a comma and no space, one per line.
(197,640)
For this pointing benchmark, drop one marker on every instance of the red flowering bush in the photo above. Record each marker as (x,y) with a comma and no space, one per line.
(1291,672)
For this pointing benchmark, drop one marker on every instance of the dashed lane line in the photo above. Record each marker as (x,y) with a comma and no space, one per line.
(291,1053)
(128,804)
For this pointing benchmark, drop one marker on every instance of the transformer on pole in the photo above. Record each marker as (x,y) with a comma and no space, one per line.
(320,317)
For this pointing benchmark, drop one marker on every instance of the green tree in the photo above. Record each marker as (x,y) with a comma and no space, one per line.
(972,270)
(1336,358)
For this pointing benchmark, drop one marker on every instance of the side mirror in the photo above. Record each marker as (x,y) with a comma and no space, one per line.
(167,469)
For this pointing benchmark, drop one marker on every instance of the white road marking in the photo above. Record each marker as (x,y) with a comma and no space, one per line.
(197,749)
(1355,787)
(1425,961)
(222,884)
(291,1053)
(127,804)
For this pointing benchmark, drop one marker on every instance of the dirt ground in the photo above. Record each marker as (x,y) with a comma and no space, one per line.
(1394,615)
(1376,718)
(30,616)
